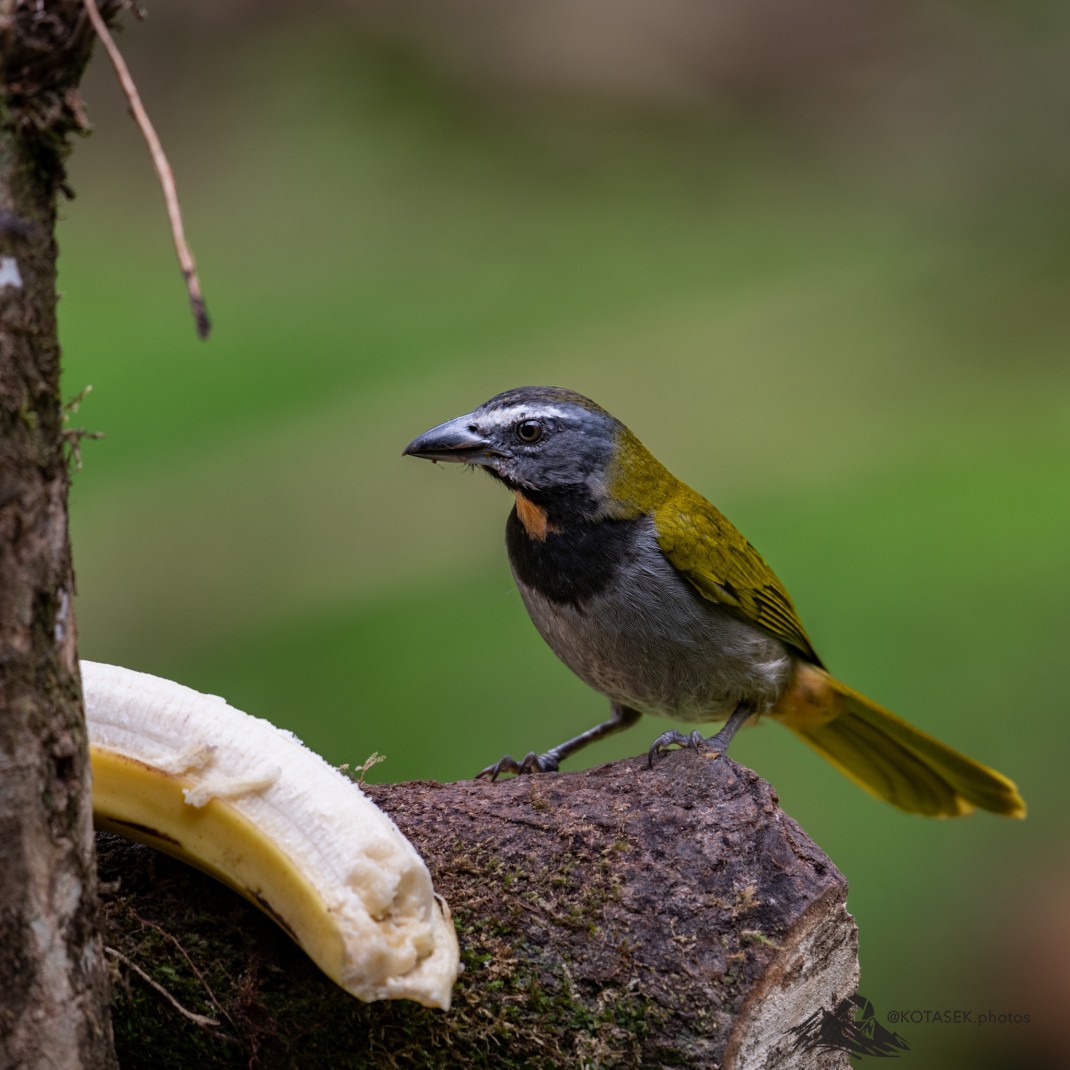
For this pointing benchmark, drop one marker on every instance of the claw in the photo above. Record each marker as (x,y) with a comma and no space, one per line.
(673,738)
(508,764)
(532,763)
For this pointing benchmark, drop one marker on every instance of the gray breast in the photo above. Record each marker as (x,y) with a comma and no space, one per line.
(646,638)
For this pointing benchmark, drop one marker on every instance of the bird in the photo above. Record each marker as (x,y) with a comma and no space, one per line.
(648,593)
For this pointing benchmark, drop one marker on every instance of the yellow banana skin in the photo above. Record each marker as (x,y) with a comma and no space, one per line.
(250,805)
(144,804)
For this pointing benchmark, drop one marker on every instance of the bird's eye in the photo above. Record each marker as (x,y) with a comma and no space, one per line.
(529,431)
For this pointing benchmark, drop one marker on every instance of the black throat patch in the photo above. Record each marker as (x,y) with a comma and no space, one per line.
(571,564)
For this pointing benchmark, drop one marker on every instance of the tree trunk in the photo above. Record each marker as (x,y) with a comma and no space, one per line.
(53,982)
(621,917)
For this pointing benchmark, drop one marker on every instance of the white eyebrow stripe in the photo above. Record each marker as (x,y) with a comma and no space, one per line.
(517,412)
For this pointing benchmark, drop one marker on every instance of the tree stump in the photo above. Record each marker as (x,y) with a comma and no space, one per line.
(618,917)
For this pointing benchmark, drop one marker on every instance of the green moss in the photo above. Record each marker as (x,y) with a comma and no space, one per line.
(755,937)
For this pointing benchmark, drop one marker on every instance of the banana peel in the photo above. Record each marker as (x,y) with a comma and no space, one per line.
(249,804)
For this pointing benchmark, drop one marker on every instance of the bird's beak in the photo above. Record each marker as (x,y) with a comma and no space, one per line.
(455,440)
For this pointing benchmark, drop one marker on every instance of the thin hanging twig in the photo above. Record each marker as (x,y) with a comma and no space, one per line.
(159,161)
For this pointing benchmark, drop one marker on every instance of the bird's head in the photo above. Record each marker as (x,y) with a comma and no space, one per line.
(553,446)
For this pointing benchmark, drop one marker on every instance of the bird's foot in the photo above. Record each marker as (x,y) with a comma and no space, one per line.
(718,744)
(532,763)
(673,738)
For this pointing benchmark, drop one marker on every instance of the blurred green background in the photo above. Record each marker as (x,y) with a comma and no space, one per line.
(817,258)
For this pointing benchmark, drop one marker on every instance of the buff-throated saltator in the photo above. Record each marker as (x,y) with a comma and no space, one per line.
(653,598)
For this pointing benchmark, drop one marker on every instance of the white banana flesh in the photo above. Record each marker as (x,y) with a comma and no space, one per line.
(251,805)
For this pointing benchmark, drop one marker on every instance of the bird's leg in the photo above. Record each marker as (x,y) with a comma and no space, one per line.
(718,743)
(623,717)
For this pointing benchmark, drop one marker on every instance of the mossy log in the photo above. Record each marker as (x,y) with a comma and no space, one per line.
(618,917)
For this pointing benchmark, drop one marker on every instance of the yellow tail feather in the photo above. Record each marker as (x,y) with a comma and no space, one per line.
(888,757)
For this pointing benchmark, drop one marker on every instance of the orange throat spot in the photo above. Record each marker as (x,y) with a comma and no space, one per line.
(533,517)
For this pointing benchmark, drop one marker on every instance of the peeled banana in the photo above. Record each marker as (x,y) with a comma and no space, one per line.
(251,805)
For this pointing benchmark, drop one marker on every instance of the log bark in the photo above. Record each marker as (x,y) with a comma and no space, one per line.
(53,991)
(619,917)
